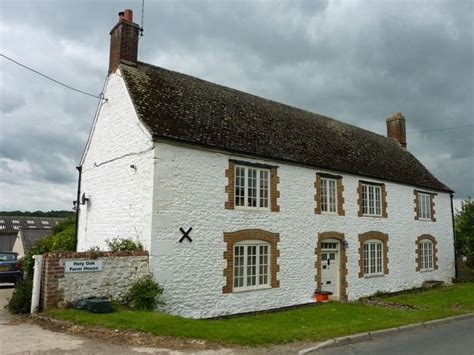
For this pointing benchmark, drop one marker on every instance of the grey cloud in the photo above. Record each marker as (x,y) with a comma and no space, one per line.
(352,62)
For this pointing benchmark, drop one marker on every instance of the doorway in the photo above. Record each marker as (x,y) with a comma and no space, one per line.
(330,261)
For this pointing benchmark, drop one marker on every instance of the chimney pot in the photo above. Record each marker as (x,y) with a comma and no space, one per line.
(128,15)
(396,128)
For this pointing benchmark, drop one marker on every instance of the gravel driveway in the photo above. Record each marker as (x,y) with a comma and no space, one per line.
(22,335)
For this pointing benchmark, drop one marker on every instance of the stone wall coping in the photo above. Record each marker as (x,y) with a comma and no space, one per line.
(95,254)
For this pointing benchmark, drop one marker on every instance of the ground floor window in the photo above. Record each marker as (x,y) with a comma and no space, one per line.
(373,254)
(251,267)
(426,253)
(373,257)
(251,257)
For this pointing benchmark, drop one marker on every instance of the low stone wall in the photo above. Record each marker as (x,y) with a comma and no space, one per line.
(119,270)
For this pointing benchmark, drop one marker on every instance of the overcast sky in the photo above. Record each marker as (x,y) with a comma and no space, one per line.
(357,61)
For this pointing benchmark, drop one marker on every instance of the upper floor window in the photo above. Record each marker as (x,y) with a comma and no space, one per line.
(328,195)
(251,187)
(372,199)
(424,206)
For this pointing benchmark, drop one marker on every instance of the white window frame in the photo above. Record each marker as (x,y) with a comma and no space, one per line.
(259,188)
(260,266)
(374,263)
(424,206)
(328,195)
(426,251)
(371,200)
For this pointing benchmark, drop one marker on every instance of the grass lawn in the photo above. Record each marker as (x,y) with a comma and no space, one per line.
(311,323)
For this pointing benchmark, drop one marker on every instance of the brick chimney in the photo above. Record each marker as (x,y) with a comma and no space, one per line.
(396,128)
(124,41)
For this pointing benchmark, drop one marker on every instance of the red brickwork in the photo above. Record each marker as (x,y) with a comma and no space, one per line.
(53,271)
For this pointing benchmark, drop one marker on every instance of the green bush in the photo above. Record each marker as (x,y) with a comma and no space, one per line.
(123,244)
(144,294)
(21,297)
(63,239)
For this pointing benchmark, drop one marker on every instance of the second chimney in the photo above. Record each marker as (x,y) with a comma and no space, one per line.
(396,128)
(124,41)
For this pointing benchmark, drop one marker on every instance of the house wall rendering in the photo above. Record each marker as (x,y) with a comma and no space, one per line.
(117,173)
(190,191)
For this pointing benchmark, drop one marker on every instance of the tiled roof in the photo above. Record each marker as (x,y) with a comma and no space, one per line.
(30,236)
(7,241)
(13,224)
(179,107)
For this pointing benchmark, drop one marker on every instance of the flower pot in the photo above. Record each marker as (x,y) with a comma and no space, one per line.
(322,296)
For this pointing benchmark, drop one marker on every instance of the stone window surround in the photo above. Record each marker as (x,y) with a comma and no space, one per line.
(273,188)
(432,204)
(435,251)
(342,261)
(383,197)
(231,238)
(373,235)
(339,195)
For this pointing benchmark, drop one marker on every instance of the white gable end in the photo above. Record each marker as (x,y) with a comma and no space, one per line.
(117,173)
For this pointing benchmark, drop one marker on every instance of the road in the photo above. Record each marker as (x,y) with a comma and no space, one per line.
(454,338)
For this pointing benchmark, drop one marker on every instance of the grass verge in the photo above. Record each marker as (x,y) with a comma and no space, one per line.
(312,323)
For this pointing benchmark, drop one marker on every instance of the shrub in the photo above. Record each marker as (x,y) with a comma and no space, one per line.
(21,297)
(63,239)
(123,244)
(144,294)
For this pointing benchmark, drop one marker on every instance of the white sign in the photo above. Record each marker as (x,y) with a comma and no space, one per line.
(82,265)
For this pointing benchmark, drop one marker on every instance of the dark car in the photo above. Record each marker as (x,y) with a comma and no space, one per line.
(10,270)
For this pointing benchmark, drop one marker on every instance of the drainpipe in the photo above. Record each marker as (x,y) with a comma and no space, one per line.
(454,239)
(78,203)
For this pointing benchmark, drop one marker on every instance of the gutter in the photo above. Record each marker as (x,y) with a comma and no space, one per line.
(78,204)
(454,238)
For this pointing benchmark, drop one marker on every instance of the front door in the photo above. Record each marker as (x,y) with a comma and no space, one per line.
(330,268)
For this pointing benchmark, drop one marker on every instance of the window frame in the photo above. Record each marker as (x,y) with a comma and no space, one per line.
(367,206)
(257,187)
(426,260)
(424,206)
(325,197)
(246,244)
(379,261)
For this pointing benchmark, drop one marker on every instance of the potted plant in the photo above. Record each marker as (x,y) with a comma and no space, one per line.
(321,296)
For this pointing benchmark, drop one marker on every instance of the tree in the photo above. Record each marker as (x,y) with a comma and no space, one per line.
(464,223)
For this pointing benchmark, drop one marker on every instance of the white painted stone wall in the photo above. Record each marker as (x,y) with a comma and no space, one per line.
(189,192)
(120,197)
(118,273)
(175,186)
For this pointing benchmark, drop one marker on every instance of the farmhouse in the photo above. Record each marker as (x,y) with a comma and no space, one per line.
(247,204)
